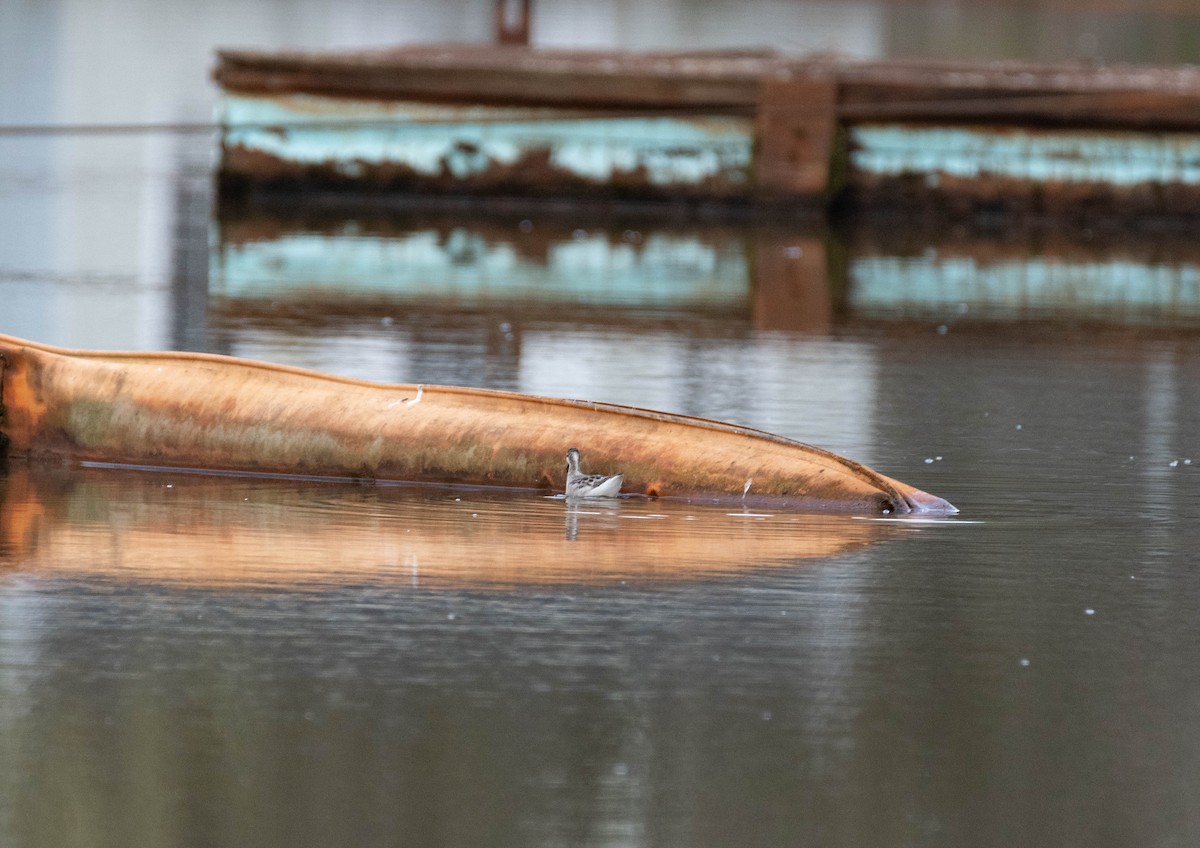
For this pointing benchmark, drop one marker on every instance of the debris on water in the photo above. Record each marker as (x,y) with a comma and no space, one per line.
(1089,611)
(914,520)
(942,329)
(1024,662)
(526,226)
(1174,463)
(1187,462)
(767,715)
(1018,426)
(450,616)
(793,252)
(387,320)
(938,458)
(929,460)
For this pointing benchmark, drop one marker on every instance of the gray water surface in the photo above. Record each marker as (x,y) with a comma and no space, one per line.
(195,660)
(212,661)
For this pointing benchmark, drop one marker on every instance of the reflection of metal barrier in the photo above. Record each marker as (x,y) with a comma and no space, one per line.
(775,277)
(471,266)
(1146,282)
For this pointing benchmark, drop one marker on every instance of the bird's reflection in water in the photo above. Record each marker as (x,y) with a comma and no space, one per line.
(598,513)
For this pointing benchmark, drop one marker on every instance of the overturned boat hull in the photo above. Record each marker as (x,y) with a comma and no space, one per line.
(188,410)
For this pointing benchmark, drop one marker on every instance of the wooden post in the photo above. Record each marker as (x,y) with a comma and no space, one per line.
(512,22)
(794,137)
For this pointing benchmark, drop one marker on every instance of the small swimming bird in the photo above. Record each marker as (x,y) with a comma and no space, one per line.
(580,485)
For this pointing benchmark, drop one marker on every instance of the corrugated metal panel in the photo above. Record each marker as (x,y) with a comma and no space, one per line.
(1120,158)
(480,146)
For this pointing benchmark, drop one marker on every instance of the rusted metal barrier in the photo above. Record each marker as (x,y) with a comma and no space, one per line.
(225,414)
(742,129)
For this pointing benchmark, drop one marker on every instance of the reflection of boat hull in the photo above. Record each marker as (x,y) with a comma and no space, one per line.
(215,412)
(239,532)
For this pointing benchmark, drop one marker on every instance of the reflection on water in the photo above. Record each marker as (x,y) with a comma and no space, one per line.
(306,663)
(234,660)
(1097,278)
(247,532)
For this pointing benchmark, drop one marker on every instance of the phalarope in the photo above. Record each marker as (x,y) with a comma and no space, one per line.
(580,485)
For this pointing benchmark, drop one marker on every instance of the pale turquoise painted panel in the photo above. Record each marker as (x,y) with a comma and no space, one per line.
(663,270)
(1119,158)
(468,140)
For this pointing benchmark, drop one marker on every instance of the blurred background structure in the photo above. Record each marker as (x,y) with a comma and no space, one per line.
(106,109)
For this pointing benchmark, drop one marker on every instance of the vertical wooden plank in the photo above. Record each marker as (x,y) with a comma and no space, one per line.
(512,22)
(794,136)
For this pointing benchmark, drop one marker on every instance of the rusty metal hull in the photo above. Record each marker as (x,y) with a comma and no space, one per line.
(220,413)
